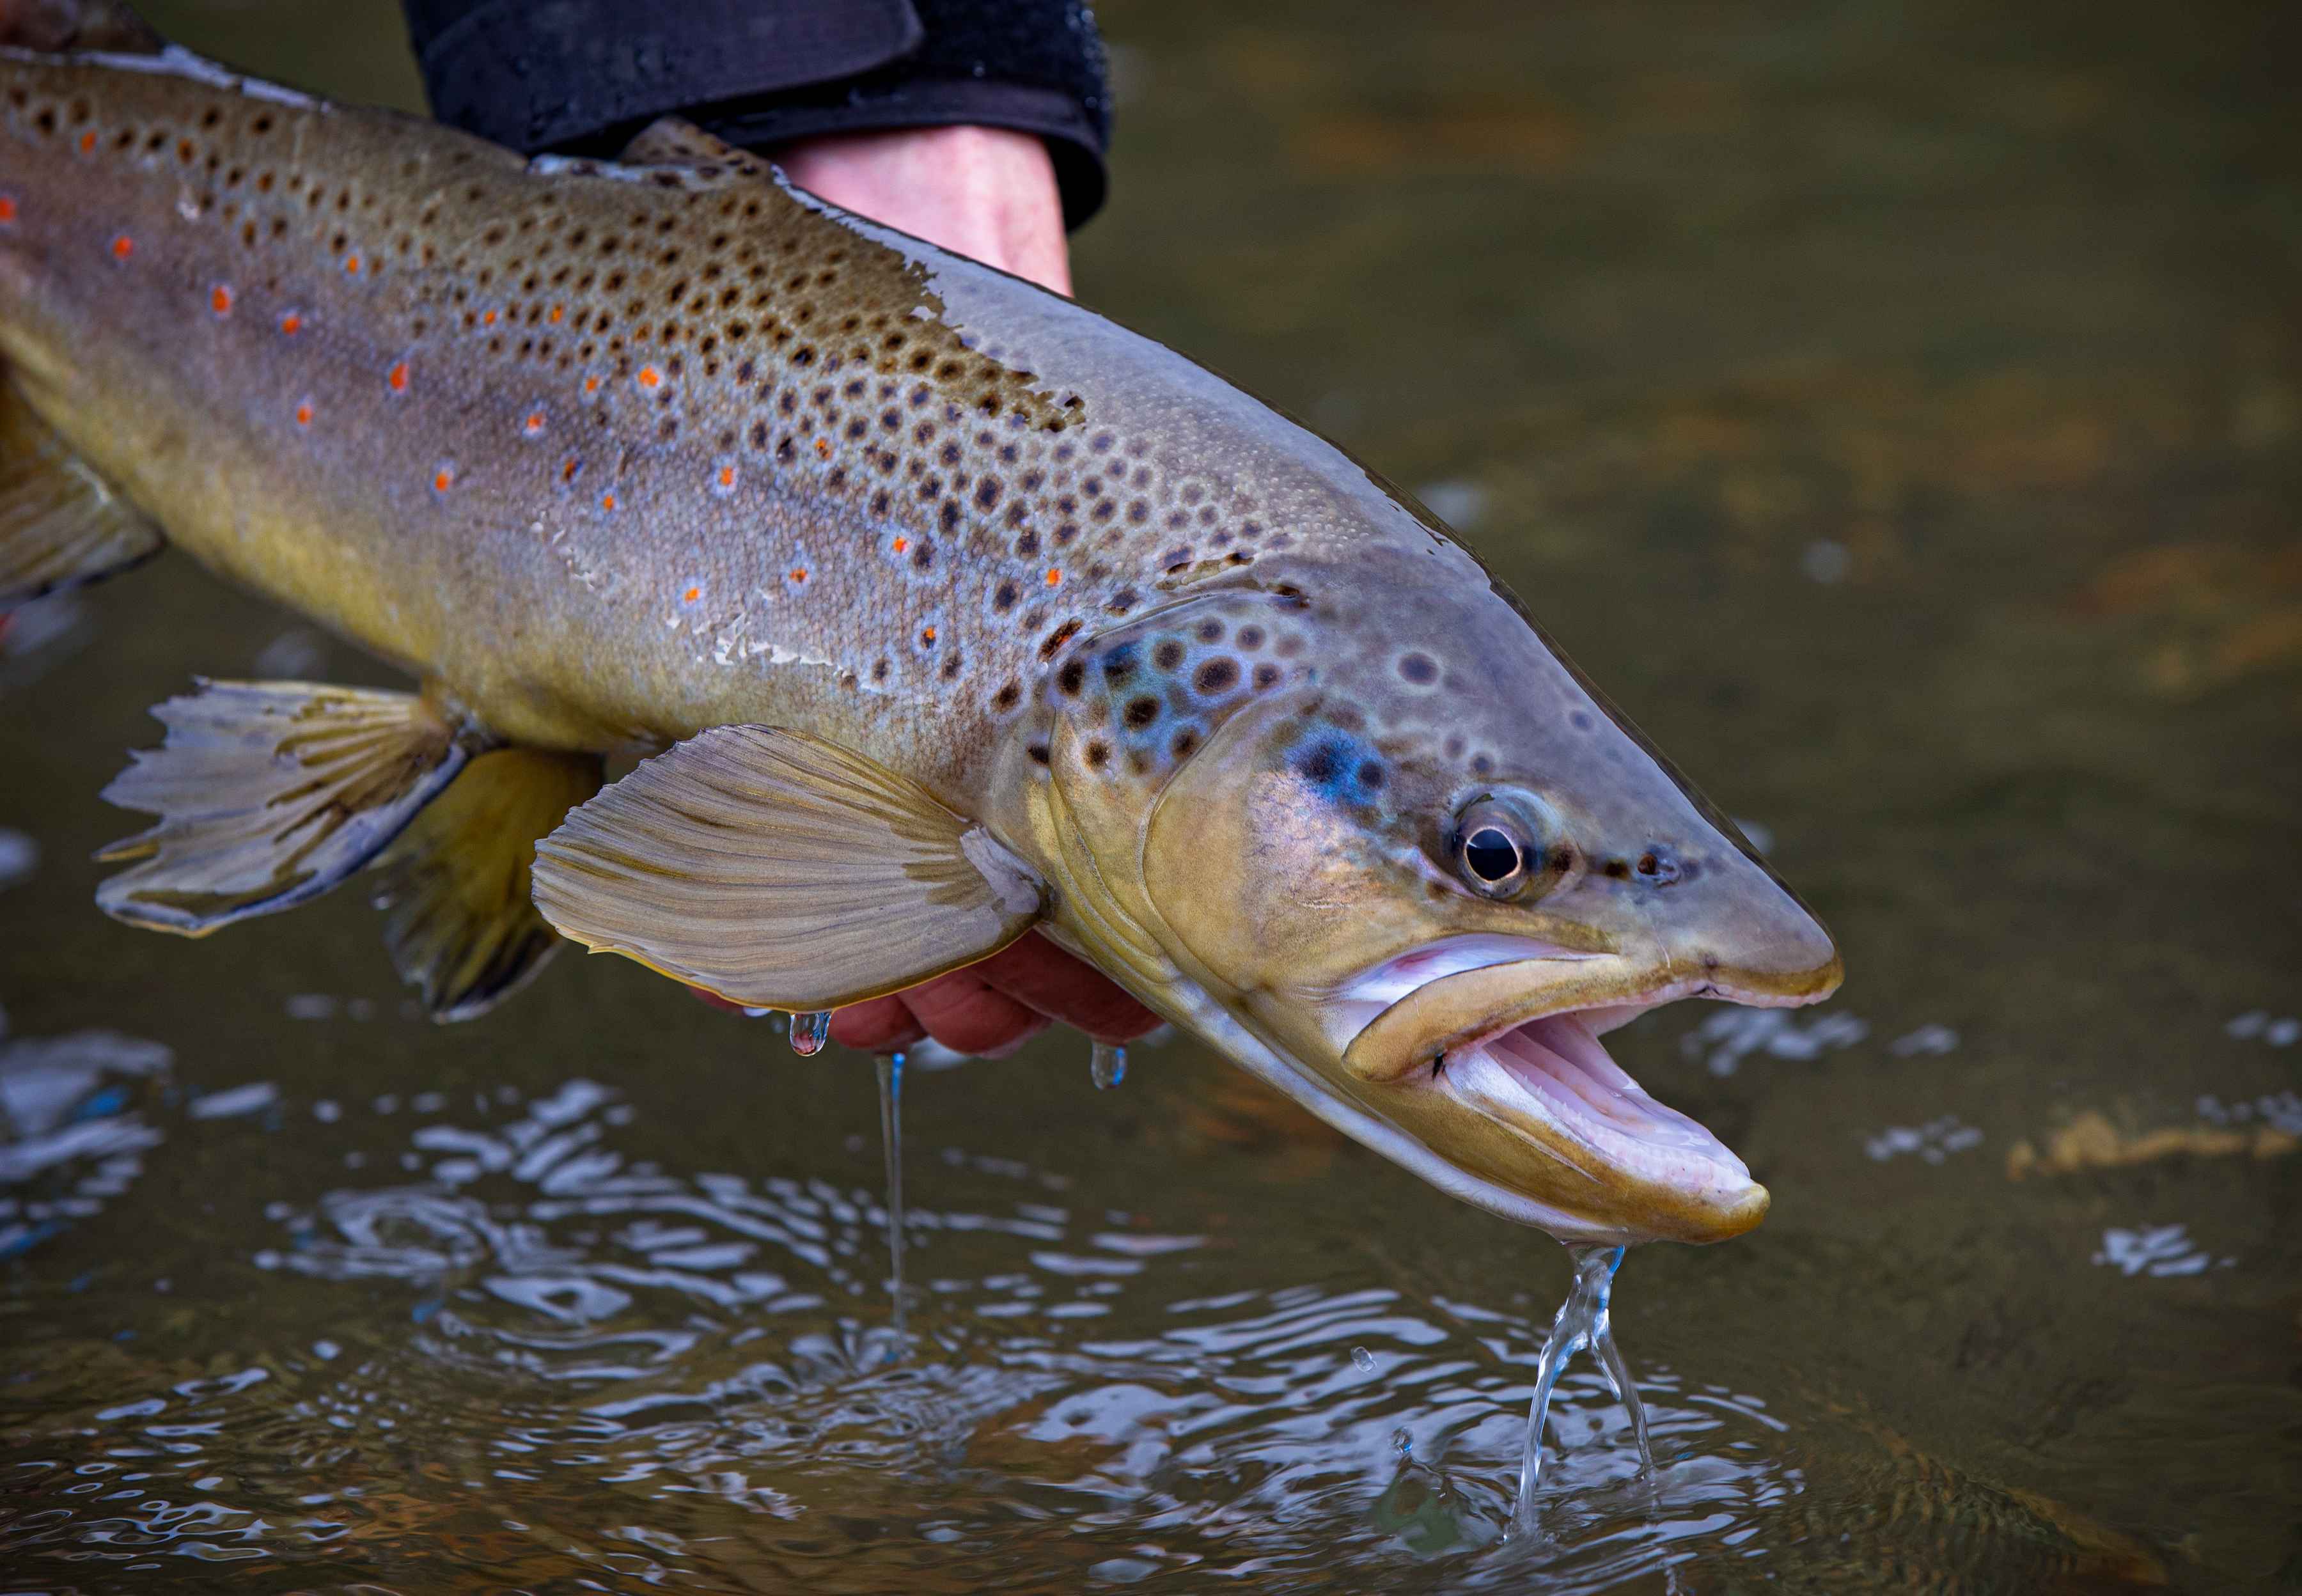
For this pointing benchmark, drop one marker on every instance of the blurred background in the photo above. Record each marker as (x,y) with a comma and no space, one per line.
(1897,408)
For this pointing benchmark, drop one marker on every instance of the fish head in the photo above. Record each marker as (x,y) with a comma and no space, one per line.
(1421,869)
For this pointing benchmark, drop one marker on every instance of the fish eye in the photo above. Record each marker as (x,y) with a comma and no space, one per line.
(1495,848)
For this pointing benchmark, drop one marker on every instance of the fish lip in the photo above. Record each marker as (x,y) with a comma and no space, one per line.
(1469,1008)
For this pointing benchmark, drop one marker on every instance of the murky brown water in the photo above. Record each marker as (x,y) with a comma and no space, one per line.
(1898,409)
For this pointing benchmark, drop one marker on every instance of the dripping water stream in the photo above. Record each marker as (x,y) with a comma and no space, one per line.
(1582,1321)
(891,1142)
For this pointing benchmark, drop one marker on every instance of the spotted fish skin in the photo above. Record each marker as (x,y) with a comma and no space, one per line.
(620,452)
(616,454)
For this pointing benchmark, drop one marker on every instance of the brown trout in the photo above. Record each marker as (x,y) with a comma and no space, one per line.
(946,608)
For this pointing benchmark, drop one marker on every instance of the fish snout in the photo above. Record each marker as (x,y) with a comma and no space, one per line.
(1732,929)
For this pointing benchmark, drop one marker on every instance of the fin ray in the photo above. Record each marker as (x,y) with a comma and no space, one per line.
(268,794)
(781,871)
(61,524)
(459,920)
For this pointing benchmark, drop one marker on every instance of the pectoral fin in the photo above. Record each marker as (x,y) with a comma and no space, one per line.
(268,794)
(61,524)
(779,871)
(459,919)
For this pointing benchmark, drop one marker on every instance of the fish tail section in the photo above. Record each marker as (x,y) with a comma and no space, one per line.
(61,524)
(271,792)
(459,921)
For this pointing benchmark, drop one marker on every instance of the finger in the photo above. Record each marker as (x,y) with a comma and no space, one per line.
(877,1025)
(967,1016)
(1035,972)
(713,998)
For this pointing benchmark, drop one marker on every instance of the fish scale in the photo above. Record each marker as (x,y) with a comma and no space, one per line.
(947,610)
(579,379)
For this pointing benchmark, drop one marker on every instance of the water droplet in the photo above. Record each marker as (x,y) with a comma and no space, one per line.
(810,1032)
(1403,1444)
(1108,1065)
(1363,1359)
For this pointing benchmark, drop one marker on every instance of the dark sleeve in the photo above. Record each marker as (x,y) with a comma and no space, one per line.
(583,75)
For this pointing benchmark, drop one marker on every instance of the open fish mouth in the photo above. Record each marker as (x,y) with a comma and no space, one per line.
(1492,1044)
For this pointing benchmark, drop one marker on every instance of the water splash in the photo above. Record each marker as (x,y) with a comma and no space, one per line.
(810,1032)
(1108,1065)
(891,1141)
(1363,1360)
(1581,1321)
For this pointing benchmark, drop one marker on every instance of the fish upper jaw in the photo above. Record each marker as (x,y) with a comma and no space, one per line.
(1488,1054)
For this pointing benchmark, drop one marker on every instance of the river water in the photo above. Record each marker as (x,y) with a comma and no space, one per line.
(1898,409)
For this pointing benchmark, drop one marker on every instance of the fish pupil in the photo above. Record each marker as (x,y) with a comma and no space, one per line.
(1491,855)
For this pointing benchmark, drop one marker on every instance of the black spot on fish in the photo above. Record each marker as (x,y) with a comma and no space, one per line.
(1418,668)
(1140,712)
(1168,655)
(1217,675)
(1071,677)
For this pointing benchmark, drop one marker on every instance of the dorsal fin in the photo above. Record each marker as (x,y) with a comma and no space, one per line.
(671,141)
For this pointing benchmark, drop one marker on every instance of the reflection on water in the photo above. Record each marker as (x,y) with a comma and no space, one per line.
(1897,408)
(525,1322)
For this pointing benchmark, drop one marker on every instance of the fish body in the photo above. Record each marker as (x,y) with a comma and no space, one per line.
(950,607)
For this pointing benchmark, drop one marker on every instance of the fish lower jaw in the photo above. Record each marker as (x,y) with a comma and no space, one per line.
(1653,1170)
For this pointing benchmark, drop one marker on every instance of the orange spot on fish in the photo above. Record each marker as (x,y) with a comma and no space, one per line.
(692,594)
(607,501)
(88,142)
(927,633)
(591,384)
(650,377)
(533,425)
(122,246)
(901,544)
(823,448)
(556,312)
(1054,578)
(489,320)
(443,479)
(220,299)
(799,574)
(726,476)
(291,323)
(7,211)
(397,378)
(351,265)
(304,414)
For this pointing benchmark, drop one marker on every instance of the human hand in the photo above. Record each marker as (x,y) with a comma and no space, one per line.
(991,194)
(986,192)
